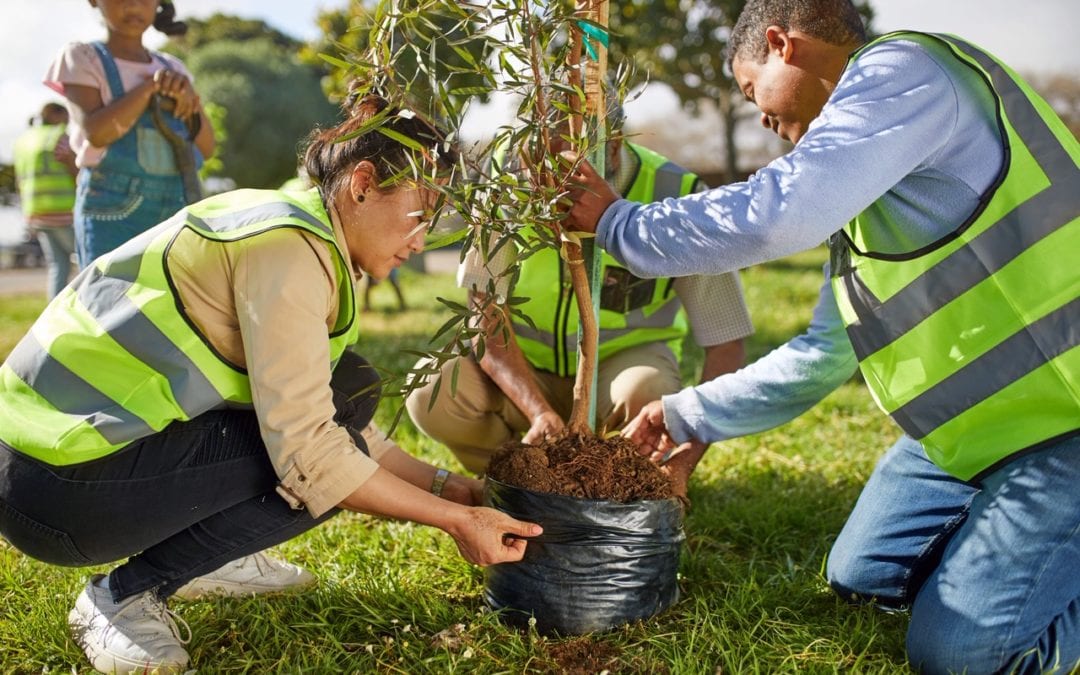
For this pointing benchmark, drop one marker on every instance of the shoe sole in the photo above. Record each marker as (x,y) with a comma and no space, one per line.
(230,590)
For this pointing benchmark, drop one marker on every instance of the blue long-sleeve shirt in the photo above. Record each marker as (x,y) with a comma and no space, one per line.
(909,131)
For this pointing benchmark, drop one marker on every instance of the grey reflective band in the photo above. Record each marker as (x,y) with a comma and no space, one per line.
(969,265)
(70,394)
(881,323)
(124,262)
(668,181)
(122,321)
(105,299)
(636,320)
(1023,352)
(262,213)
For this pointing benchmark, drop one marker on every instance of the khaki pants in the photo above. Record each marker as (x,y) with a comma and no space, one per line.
(478,418)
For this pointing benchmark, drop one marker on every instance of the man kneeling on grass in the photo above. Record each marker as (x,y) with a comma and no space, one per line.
(950,194)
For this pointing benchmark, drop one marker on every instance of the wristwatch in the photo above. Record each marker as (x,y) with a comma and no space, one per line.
(439,482)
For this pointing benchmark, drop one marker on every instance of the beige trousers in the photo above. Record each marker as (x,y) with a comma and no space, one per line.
(478,418)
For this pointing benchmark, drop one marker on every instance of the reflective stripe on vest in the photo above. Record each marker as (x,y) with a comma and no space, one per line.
(115,358)
(45,184)
(655,316)
(970,344)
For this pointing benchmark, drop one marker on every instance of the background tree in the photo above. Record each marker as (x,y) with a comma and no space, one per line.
(268,100)
(227,27)
(683,43)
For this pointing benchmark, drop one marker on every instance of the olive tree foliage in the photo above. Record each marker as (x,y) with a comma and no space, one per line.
(347,32)
(683,43)
(506,191)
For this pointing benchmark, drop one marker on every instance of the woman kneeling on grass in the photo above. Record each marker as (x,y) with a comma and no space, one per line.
(189,400)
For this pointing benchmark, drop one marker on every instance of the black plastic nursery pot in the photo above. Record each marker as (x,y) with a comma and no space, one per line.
(598,565)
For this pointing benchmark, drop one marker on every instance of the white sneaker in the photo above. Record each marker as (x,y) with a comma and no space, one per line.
(138,634)
(250,575)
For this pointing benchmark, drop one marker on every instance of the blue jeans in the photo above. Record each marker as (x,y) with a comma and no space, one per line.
(181,502)
(991,574)
(58,243)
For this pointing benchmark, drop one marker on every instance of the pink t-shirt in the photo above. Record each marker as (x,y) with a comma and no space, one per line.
(78,63)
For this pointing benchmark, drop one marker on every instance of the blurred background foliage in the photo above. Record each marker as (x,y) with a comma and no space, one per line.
(262,99)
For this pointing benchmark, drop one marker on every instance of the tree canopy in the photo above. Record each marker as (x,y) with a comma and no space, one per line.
(264,99)
(226,27)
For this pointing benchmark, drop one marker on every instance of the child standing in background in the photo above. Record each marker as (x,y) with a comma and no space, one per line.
(130,175)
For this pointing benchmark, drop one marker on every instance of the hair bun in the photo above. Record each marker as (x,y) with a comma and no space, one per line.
(165,20)
(364,100)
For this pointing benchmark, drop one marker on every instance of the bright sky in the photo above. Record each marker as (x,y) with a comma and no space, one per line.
(1026,35)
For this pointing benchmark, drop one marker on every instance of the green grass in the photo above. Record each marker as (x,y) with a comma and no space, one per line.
(397,598)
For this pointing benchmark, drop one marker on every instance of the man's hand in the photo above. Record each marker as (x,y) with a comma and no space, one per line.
(649,431)
(681,463)
(543,425)
(590,195)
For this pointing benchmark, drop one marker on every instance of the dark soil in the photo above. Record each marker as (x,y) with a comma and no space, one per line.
(583,656)
(588,656)
(582,466)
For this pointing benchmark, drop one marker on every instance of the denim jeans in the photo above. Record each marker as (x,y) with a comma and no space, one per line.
(112,208)
(181,502)
(991,574)
(58,243)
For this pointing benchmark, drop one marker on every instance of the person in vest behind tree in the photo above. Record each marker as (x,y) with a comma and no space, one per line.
(190,399)
(137,126)
(523,387)
(45,170)
(950,195)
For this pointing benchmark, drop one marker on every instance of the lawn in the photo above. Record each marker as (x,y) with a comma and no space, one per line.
(396,597)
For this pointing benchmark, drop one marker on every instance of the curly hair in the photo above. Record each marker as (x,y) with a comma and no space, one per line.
(331,153)
(834,21)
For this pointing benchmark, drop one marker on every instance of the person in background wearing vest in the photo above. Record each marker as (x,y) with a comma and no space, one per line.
(523,387)
(137,126)
(45,170)
(190,399)
(950,194)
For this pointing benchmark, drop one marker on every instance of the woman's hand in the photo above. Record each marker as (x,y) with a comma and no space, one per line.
(483,535)
(464,491)
(487,537)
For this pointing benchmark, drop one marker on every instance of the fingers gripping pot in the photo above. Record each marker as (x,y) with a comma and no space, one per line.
(599,564)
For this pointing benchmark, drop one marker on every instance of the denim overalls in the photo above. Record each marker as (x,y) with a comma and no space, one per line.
(136,186)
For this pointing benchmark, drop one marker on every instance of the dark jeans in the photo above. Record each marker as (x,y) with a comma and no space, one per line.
(181,502)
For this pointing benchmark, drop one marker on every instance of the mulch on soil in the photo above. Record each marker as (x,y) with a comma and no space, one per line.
(585,466)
